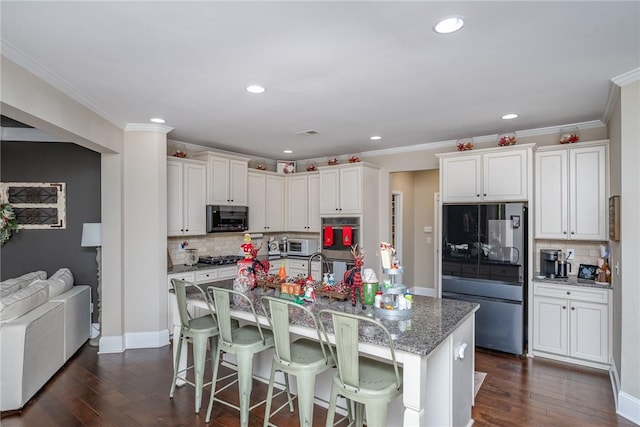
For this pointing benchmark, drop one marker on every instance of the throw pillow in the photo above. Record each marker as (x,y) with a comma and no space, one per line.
(23,301)
(65,275)
(10,286)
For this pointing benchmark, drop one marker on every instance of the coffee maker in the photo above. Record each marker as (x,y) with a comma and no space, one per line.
(548,259)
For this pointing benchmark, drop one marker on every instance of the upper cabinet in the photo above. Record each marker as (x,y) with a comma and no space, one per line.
(491,175)
(227,179)
(266,202)
(343,187)
(303,202)
(571,191)
(186,197)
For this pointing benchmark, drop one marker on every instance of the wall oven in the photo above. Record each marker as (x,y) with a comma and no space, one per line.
(339,234)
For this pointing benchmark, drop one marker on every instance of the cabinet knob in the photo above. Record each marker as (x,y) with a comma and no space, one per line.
(564,307)
(573,308)
(186,230)
(485,194)
(568,293)
(564,232)
(477,195)
(573,232)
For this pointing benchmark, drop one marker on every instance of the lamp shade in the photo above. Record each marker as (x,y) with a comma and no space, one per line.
(91,235)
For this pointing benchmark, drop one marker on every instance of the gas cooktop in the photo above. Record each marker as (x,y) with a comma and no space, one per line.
(219,260)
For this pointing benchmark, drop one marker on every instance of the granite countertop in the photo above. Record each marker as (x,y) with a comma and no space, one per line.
(183,268)
(571,280)
(430,322)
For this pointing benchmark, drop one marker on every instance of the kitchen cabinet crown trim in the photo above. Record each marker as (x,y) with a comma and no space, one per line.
(579,144)
(206,154)
(532,146)
(349,165)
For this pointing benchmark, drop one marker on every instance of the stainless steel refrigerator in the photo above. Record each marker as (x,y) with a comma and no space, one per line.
(484,253)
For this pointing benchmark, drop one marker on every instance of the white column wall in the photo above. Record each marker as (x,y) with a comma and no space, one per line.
(145,231)
(629,397)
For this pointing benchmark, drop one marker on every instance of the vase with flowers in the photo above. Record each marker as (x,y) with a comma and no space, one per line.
(8,223)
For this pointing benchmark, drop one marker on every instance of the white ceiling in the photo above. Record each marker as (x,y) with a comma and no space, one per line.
(348,70)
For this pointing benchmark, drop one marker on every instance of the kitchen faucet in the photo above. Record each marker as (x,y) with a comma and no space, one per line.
(323,258)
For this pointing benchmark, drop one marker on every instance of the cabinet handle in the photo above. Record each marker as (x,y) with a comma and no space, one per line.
(564,232)
(573,232)
(564,307)
(568,293)
(477,195)
(186,230)
(573,308)
(485,195)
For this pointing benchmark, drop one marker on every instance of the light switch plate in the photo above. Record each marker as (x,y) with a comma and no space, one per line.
(571,253)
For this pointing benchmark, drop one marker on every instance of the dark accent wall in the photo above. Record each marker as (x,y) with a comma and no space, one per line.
(48,250)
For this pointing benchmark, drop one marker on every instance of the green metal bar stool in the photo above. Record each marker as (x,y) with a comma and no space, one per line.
(370,384)
(304,358)
(243,341)
(198,330)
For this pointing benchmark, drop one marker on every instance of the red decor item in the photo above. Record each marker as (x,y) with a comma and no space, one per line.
(328,236)
(347,235)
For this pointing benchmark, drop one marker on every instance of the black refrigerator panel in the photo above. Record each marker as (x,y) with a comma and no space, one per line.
(485,241)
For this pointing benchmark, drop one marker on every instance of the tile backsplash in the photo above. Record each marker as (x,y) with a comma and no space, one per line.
(586,252)
(216,244)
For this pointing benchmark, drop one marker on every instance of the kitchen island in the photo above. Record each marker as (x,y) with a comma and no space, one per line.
(434,344)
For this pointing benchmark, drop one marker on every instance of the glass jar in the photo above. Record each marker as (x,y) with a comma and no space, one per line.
(465,144)
(569,135)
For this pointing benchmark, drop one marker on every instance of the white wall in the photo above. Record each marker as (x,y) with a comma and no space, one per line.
(630,248)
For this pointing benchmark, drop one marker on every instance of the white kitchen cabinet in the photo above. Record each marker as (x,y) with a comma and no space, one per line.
(491,175)
(301,267)
(343,188)
(571,322)
(571,192)
(266,201)
(303,202)
(186,196)
(172,302)
(227,183)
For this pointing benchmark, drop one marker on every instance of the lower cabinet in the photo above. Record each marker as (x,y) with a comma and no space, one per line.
(571,322)
(198,277)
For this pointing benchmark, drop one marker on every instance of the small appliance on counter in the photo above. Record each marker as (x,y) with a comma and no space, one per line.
(284,245)
(192,257)
(564,267)
(273,248)
(548,260)
(302,247)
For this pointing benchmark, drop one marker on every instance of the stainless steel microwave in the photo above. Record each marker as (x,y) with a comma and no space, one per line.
(227,218)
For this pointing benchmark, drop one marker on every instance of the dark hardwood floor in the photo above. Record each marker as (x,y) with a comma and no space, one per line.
(131,389)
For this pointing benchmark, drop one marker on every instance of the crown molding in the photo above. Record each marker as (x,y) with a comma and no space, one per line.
(627,78)
(481,139)
(28,135)
(612,99)
(147,127)
(12,53)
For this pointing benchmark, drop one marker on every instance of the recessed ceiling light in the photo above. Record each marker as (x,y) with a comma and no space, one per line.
(375,138)
(157,120)
(509,116)
(449,25)
(255,89)
(287,151)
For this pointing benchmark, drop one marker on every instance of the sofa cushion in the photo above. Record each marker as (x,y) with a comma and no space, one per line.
(20,302)
(12,285)
(56,286)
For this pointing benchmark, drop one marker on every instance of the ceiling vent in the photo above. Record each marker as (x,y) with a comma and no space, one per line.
(307,132)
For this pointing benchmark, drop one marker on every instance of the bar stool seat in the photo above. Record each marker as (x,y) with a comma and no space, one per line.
(370,384)
(199,331)
(303,358)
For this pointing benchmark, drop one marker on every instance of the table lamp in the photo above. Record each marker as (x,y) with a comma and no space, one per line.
(92,238)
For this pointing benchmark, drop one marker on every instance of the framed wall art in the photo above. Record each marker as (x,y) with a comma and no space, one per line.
(37,205)
(614,218)
(286,167)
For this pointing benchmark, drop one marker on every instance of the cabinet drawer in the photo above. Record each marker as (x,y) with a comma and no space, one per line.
(206,276)
(189,277)
(572,292)
(298,264)
(227,272)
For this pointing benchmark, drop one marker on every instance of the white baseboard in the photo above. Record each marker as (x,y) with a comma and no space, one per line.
(120,343)
(629,407)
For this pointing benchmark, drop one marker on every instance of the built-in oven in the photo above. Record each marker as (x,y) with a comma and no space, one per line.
(339,235)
